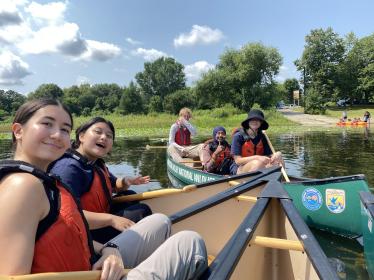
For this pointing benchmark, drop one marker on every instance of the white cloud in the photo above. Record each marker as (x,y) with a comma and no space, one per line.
(194,71)
(52,12)
(100,51)
(199,35)
(285,73)
(68,41)
(132,41)
(149,54)
(12,34)
(81,80)
(12,69)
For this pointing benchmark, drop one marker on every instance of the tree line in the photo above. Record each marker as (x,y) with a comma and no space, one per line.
(331,68)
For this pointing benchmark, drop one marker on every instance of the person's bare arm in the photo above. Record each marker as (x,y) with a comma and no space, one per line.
(239,160)
(23,203)
(99,220)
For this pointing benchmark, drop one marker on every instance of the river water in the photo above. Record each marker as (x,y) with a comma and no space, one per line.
(311,154)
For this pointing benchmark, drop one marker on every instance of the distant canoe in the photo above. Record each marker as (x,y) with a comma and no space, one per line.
(352,123)
(330,204)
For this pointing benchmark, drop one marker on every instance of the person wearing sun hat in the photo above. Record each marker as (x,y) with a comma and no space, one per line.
(249,147)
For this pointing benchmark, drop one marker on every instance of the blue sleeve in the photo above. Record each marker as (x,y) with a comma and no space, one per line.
(72,173)
(236,145)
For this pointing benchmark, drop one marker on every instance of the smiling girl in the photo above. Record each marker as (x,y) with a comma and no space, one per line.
(84,170)
(43,229)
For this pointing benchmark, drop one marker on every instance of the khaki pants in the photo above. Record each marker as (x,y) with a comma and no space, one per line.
(147,248)
(193,152)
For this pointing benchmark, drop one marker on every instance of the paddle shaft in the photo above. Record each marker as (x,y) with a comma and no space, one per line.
(273,151)
(155,147)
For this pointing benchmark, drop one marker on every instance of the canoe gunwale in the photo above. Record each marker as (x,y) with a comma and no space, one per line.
(340,179)
(225,262)
(272,174)
(367,200)
(311,245)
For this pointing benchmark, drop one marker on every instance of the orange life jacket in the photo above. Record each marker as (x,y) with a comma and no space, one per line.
(99,198)
(183,136)
(62,239)
(226,153)
(250,149)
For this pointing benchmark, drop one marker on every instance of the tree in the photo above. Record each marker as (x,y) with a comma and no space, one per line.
(161,78)
(241,77)
(177,100)
(10,101)
(290,85)
(323,52)
(107,96)
(131,101)
(52,91)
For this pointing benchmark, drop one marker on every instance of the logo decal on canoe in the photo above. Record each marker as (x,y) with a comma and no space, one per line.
(312,199)
(335,200)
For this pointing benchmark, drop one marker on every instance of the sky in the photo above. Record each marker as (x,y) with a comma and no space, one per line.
(108,41)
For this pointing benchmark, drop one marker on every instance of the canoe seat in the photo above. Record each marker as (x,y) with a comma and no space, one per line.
(210,259)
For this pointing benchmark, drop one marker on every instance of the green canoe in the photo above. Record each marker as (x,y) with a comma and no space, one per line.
(331,204)
(367,217)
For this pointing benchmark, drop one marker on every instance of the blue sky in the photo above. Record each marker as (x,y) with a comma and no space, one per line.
(108,41)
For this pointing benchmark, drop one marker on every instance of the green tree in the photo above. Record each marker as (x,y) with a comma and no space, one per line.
(179,99)
(241,77)
(10,101)
(47,91)
(161,78)
(107,96)
(323,52)
(131,101)
(290,85)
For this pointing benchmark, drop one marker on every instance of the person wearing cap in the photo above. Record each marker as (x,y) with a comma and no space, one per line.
(216,156)
(180,138)
(249,147)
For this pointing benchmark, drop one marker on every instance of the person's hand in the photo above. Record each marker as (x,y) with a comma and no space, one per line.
(139,180)
(120,223)
(111,264)
(219,149)
(276,158)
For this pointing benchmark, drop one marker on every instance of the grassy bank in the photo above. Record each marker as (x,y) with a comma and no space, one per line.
(158,125)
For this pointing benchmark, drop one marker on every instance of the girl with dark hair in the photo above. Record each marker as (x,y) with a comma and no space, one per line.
(43,229)
(84,170)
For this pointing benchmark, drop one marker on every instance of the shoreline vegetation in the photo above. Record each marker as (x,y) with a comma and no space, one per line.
(158,124)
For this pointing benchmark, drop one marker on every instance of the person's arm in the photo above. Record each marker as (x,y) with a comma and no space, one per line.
(123,184)
(190,127)
(99,220)
(23,203)
(110,262)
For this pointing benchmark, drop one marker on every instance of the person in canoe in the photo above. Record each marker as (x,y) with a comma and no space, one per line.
(216,157)
(249,146)
(84,171)
(179,145)
(366,116)
(42,228)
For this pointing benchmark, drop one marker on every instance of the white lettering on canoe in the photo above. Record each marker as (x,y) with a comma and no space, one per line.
(195,177)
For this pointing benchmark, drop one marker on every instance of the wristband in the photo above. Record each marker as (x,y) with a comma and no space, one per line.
(110,245)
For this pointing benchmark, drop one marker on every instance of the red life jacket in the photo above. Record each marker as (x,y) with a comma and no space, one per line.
(225,154)
(183,136)
(62,239)
(250,149)
(99,198)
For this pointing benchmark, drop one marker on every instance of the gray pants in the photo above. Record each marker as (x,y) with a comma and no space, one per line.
(147,248)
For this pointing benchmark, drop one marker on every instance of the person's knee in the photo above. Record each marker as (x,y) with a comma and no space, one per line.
(161,223)
(191,240)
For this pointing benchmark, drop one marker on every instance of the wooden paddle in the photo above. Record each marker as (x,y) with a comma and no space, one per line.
(148,147)
(81,275)
(273,151)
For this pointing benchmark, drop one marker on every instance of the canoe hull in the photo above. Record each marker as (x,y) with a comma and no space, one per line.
(331,204)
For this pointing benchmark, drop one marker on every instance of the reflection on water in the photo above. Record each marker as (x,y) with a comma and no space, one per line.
(312,154)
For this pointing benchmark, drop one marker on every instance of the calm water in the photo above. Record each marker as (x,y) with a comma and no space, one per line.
(315,155)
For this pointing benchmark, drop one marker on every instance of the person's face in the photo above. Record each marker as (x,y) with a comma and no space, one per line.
(187,116)
(44,137)
(96,141)
(254,124)
(220,136)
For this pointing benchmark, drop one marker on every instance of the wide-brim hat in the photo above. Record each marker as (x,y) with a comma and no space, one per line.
(255,114)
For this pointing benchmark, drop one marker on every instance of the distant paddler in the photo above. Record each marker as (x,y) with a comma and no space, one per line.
(180,138)
(250,148)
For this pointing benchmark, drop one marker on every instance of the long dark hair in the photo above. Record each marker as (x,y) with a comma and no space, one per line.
(27,110)
(84,127)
